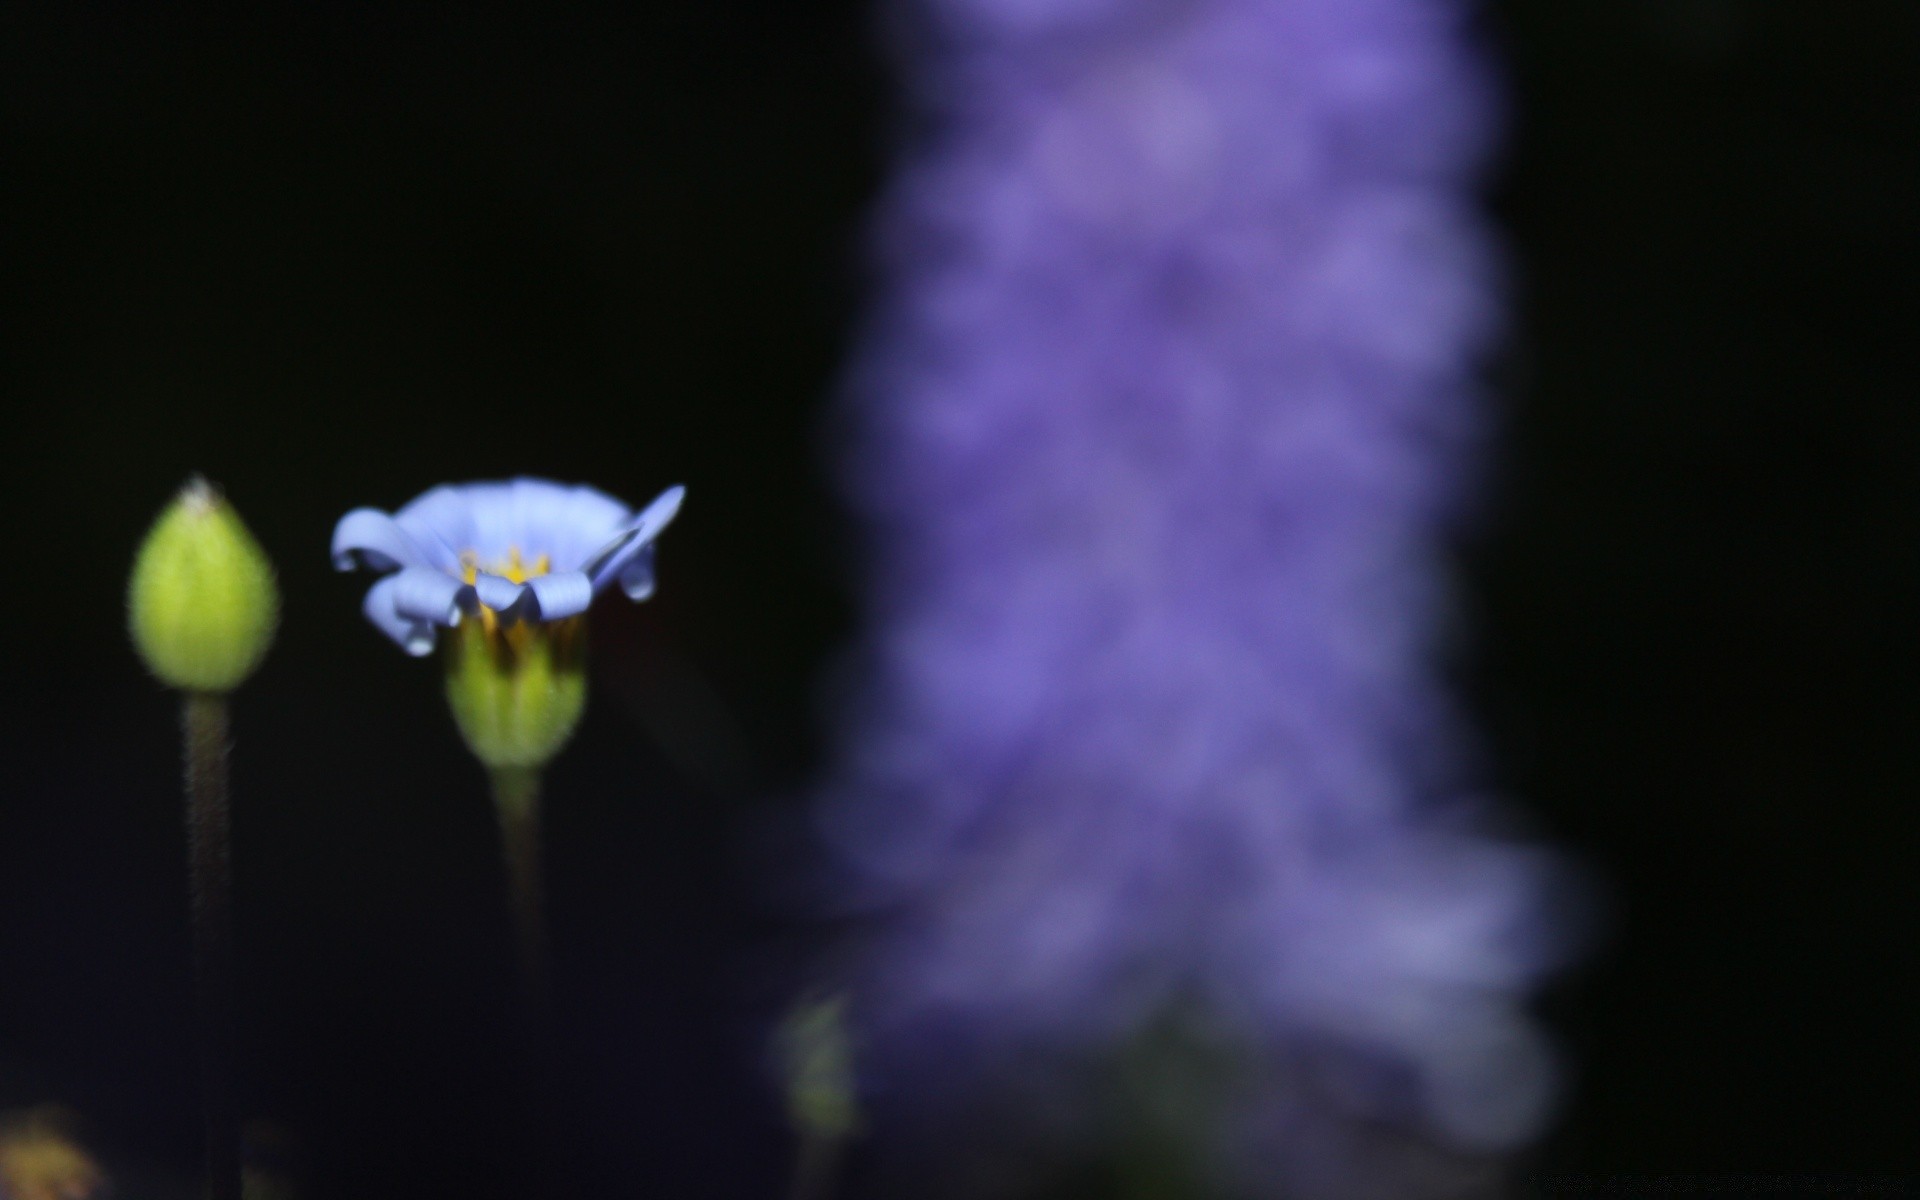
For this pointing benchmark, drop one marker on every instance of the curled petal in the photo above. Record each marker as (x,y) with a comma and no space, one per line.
(415,637)
(368,537)
(424,594)
(607,559)
(636,578)
(561,595)
(655,516)
(497,592)
(616,555)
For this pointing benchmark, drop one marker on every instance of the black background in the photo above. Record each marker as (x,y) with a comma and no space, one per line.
(332,254)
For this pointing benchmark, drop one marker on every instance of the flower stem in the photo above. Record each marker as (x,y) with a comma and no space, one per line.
(516,796)
(815,1166)
(203,724)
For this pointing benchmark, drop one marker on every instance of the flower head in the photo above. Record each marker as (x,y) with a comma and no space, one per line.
(523,550)
(524,560)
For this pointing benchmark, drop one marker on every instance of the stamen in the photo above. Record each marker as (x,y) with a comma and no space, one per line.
(515,569)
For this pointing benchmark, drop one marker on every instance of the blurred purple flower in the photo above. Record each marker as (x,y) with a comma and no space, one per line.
(1164,413)
(527,549)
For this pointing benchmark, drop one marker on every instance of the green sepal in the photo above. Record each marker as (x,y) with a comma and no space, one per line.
(517,693)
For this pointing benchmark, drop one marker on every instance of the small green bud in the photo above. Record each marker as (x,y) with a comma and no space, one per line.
(201,605)
(816,1052)
(516,691)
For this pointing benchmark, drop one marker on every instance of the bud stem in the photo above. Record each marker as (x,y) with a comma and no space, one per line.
(815,1165)
(203,724)
(516,796)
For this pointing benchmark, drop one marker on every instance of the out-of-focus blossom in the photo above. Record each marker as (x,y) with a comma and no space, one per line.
(521,550)
(1163,414)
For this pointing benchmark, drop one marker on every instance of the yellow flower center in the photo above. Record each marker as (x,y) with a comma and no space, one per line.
(513,568)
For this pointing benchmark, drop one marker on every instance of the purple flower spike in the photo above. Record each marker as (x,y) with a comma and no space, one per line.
(1164,415)
(524,549)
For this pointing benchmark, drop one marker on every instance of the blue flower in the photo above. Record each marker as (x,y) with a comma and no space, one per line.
(522,550)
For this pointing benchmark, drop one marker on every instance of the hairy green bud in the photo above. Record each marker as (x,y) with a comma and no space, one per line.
(202,605)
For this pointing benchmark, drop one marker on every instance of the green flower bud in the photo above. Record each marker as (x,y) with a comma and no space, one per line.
(816,1050)
(517,691)
(202,605)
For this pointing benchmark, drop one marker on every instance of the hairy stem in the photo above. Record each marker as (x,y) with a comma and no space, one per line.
(815,1165)
(203,722)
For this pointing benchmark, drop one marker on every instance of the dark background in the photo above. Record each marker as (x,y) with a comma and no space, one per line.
(330,255)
